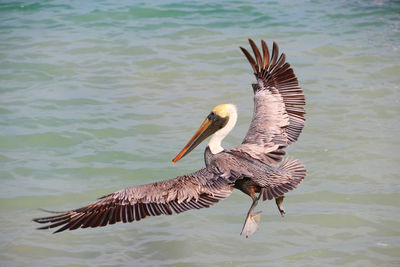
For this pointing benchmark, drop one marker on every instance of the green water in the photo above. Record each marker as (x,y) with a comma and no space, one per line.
(97,96)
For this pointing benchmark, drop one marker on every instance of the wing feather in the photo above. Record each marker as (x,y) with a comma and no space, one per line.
(194,191)
(265,53)
(279,101)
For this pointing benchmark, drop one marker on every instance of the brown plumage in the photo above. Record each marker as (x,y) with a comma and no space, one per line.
(193,191)
(278,117)
(250,167)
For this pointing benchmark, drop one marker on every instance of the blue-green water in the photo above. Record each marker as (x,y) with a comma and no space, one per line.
(96,96)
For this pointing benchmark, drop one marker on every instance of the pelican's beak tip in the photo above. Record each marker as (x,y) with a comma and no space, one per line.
(175,160)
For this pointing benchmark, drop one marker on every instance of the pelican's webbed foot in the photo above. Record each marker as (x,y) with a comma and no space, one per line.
(252,220)
(251,224)
(279,201)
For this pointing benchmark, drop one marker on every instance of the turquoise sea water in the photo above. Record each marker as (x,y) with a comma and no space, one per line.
(97,96)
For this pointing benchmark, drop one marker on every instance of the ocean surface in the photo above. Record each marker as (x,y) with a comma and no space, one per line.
(96,96)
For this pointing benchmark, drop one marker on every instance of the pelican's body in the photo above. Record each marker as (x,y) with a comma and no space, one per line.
(252,167)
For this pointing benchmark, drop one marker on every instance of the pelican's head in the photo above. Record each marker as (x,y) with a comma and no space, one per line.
(220,121)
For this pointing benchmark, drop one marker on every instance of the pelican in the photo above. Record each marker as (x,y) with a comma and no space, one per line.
(255,167)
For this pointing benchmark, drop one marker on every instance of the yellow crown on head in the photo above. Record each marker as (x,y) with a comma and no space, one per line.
(222,110)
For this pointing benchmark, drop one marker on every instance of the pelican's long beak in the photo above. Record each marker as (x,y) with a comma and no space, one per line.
(206,129)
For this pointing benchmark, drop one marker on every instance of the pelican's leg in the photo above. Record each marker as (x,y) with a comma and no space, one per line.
(279,201)
(252,220)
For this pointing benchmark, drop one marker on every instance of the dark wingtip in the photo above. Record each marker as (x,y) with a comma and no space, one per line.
(275,45)
(249,58)
(51,211)
(257,55)
(43,228)
(265,54)
(275,53)
(44,219)
(38,220)
(59,230)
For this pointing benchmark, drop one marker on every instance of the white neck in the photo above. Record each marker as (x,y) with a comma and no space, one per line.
(215,142)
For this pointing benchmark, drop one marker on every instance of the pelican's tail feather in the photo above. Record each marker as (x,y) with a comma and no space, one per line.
(296,171)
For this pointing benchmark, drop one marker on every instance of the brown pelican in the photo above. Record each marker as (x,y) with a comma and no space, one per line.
(252,167)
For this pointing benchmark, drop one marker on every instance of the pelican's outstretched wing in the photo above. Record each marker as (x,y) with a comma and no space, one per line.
(278,117)
(193,191)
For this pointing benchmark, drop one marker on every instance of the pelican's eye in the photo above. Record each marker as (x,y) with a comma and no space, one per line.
(212,116)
